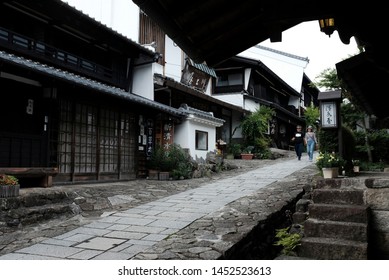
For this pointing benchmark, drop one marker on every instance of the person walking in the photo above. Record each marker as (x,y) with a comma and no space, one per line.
(299,141)
(311,141)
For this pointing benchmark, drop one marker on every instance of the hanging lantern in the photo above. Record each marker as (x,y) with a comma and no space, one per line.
(327,25)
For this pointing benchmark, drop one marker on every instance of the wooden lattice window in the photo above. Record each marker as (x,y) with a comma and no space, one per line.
(109,148)
(85,139)
(65,138)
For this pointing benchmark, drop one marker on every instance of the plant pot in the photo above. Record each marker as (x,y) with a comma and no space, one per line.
(153,174)
(356,169)
(164,175)
(9,190)
(246,156)
(332,172)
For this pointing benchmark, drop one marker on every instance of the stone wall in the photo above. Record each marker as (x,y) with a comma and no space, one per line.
(243,229)
(377,196)
(376,188)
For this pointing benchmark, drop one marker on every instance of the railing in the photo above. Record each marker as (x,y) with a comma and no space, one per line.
(51,54)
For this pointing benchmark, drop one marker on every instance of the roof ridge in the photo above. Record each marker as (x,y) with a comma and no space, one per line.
(283,53)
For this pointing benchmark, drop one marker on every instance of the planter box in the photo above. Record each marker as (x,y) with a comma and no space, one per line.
(9,190)
(332,172)
(246,156)
(164,176)
(153,174)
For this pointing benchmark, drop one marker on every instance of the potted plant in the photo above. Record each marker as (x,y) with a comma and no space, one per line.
(329,164)
(247,153)
(233,150)
(356,164)
(9,186)
(164,162)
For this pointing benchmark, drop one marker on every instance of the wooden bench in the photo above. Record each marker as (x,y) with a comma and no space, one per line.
(44,174)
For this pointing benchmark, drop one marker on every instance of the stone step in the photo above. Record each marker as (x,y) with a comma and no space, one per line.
(319,248)
(300,217)
(31,207)
(338,196)
(339,212)
(286,257)
(333,229)
(34,214)
(31,199)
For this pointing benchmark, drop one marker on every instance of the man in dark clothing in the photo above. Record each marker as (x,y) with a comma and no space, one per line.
(299,141)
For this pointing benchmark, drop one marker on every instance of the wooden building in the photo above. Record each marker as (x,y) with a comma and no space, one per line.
(68,109)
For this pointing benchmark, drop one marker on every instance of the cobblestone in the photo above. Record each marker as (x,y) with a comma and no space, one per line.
(153,220)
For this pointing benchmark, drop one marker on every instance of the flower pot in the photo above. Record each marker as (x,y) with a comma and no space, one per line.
(246,156)
(331,172)
(356,169)
(9,190)
(153,174)
(164,175)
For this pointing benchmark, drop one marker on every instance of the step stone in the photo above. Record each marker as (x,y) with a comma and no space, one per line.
(335,212)
(332,229)
(338,196)
(299,217)
(302,205)
(332,249)
(34,214)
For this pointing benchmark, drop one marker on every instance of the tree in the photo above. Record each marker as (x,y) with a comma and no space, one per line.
(311,115)
(328,79)
(255,127)
(351,112)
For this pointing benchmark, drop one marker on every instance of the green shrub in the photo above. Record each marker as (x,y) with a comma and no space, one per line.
(289,241)
(8,180)
(174,159)
(234,148)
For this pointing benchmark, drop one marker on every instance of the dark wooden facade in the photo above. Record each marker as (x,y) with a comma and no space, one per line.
(65,82)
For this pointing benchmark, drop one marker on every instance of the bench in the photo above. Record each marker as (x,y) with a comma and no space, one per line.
(44,174)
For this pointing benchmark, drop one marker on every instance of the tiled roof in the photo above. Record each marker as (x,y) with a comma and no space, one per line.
(89,83)
(201,114)
(203,67)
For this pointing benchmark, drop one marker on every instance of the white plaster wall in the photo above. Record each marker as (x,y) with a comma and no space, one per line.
(209,87)
(247,73)
(181,135)
(289,68)
(173,60)
(158,68)
(120,15)
(143,84)
(251,105)
(234,99)
(185,137)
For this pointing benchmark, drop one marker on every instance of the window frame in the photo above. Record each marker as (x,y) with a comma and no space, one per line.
(201,136)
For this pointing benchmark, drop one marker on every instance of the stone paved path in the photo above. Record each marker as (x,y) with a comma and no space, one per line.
(135,222)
